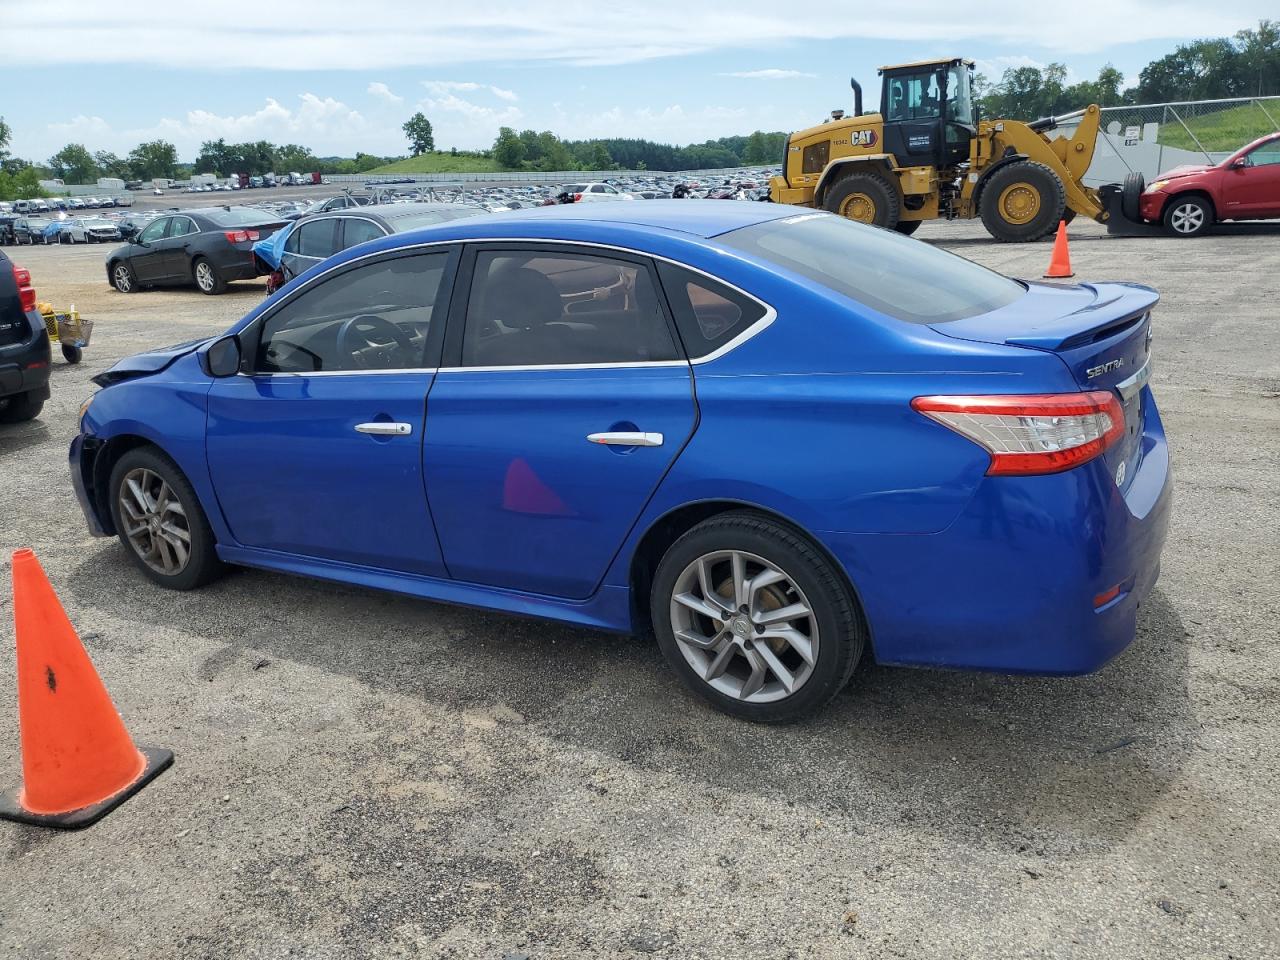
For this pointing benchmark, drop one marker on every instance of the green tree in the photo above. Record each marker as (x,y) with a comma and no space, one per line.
(598,157)
(756,150)
(293,157)
(6,135)
(110,165)
(74,164)
(156,158)
(421,138)
(508,149)
(1259,56)
(20,185)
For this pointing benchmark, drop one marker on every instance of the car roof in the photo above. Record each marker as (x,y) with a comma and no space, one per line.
(694,217)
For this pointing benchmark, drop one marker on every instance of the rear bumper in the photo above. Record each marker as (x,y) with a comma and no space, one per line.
(17,373)
(235,264)
(1011,585)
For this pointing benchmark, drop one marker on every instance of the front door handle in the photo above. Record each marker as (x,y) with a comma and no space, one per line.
(627,438)
(384,429)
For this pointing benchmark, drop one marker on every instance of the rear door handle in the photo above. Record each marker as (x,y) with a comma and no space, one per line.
(384,429)
(627,439)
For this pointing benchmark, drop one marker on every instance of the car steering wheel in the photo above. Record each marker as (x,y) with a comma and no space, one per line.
(360,333)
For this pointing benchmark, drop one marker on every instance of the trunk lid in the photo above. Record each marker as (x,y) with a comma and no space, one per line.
(1101,331)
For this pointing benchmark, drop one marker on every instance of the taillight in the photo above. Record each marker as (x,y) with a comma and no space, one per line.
(1038,433)
(577,197)
(26,292)
(240,236)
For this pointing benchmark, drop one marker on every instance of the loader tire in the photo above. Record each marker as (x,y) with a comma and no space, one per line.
(1131,196)
(865,197)
(1022,202)
(908,227)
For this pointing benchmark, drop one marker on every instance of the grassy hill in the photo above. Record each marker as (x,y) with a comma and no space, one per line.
(1221,130)
(440,163)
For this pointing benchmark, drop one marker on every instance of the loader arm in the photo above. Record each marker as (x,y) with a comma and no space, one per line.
(1068,157)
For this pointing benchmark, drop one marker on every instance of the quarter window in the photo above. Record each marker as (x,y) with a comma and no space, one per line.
(542,308)
(373,317)
(708,314)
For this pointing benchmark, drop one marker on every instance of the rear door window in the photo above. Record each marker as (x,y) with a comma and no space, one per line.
(356,230)
(318,239)
(542,308)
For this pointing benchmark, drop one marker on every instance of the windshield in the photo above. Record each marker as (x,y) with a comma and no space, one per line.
(897,276)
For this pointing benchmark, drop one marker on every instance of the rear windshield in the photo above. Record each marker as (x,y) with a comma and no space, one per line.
(236,216)
(413,221)
(882,269)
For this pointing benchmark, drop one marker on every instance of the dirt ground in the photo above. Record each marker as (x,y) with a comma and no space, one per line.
(360,774)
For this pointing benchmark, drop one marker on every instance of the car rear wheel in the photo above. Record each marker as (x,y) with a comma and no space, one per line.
(207,277)
(754,619)
(122,277)
(1188,216)
(160,522)
(20,408)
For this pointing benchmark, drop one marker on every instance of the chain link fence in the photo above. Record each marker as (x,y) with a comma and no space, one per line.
(1156,137)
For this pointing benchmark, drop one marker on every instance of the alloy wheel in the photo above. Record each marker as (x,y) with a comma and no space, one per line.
(744,626)
(204,276)
(122,278)
(155,521)
(1187,218)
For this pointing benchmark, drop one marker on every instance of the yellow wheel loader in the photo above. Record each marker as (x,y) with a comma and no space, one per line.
(927,154)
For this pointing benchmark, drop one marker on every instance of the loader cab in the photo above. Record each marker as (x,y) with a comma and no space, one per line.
(928,112)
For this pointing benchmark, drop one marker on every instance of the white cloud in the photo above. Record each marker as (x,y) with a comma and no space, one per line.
(322,123)
(465,86)
(381,90)
(769,74)
(323,34)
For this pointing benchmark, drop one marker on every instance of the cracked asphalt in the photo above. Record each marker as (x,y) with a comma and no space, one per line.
(361,774)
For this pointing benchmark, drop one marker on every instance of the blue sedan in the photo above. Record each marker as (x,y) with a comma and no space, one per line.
(781,441)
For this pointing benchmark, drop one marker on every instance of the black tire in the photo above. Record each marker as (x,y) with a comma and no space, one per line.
(873,189)
(122,276)
(20,408)
(1041,186)
(72,354)
(202,564)
(1188,216)
(908,227)
(1131,196)
(841,634)
(215,284)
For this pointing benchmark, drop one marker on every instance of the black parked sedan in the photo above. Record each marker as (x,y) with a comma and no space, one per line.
(208,247)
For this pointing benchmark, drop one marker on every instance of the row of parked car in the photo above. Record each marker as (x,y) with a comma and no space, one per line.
(56,204)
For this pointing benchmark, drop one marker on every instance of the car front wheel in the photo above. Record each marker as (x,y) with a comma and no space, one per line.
(122,277)
(159,520)
(755,619)
(1188,216)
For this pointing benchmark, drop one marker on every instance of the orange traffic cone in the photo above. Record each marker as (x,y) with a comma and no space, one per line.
(78,761)
(1060,262)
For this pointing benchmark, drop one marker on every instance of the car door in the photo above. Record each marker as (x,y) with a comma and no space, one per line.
(315,449)
(176,247)
(146,256)
(1253,188)
(309,243)
(564,402)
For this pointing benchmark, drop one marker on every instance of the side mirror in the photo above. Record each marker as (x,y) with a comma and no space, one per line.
(222,358)
(1239,163)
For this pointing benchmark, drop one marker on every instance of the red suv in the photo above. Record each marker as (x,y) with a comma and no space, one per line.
(1245,186)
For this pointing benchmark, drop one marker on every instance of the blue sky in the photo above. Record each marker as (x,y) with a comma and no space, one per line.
(341,77)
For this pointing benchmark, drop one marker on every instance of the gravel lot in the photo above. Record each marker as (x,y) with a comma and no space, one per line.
(365,775)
